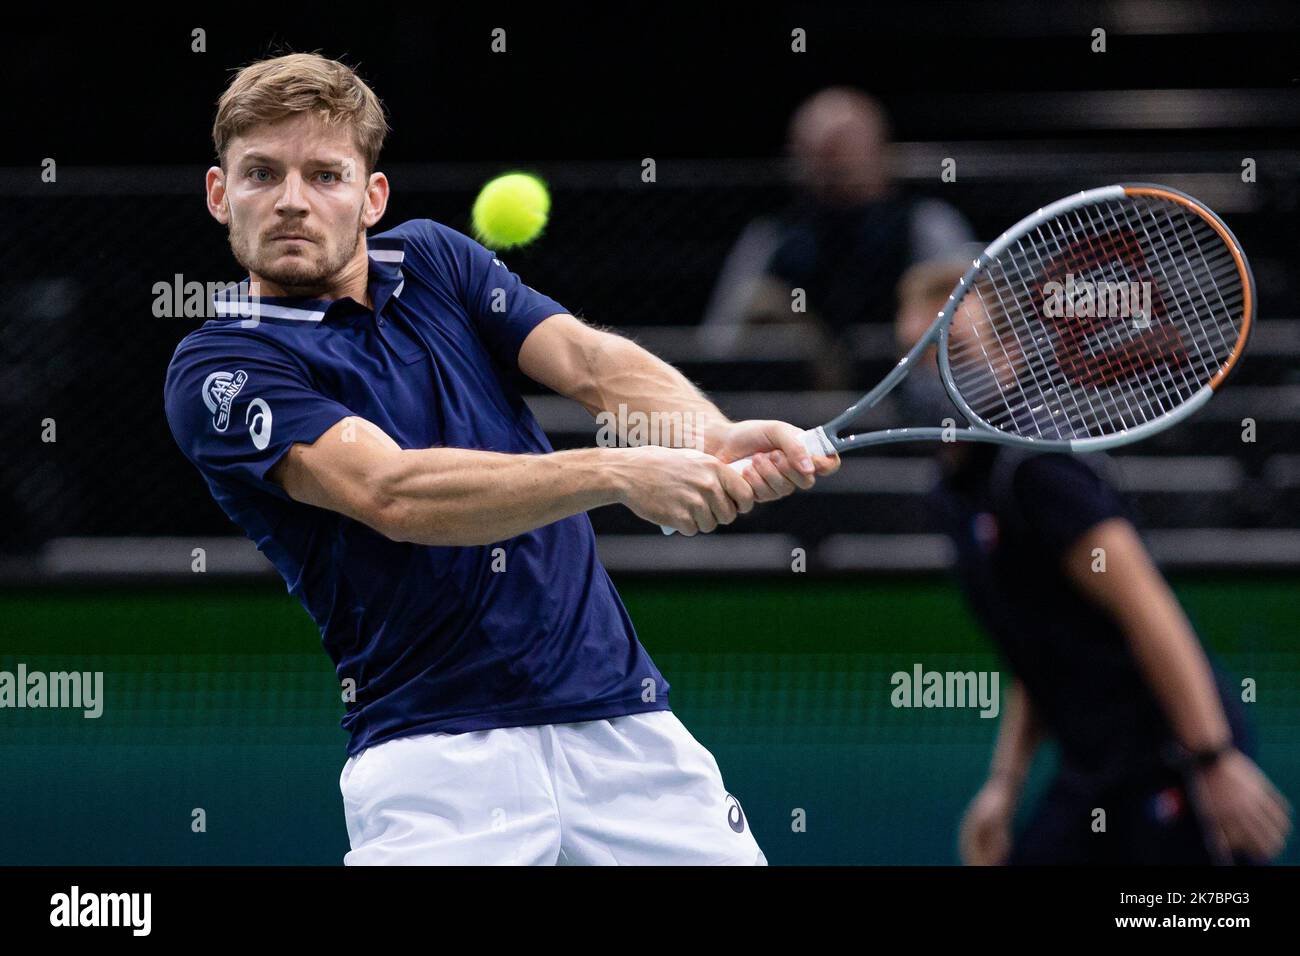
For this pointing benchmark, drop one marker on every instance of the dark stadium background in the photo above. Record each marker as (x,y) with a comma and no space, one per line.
(219,695)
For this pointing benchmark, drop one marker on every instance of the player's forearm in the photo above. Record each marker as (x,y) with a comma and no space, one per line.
(460,497)
(1019,734)
(625,379)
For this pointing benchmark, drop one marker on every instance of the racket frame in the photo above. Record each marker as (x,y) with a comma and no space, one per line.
(828,438)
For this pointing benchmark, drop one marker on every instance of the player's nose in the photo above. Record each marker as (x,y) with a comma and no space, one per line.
(291,198)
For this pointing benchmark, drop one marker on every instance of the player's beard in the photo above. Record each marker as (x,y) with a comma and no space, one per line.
(303,276)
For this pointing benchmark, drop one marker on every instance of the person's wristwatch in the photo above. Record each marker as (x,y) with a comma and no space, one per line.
(1202,759)
(1205,759)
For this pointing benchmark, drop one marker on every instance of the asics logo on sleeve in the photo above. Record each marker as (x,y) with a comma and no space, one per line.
(259,425)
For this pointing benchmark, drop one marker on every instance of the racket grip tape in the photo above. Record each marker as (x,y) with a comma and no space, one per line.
(814,439)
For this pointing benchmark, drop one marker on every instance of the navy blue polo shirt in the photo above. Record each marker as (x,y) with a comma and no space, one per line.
(452,639)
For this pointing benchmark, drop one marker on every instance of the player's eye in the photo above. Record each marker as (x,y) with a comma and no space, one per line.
(330,173)
(257,172)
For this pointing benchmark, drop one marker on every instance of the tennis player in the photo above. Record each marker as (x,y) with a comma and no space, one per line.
(355,408)
(1155,752)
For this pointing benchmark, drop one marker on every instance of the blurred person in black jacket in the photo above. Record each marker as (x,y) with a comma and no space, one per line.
(845,238)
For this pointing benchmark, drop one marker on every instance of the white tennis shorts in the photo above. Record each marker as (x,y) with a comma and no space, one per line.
(636,790)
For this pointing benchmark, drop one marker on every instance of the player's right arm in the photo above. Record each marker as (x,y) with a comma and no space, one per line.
(249,415)
(463,497)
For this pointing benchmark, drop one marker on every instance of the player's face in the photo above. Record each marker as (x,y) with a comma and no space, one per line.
(296,194)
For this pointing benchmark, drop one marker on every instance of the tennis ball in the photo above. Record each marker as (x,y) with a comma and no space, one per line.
(511,210)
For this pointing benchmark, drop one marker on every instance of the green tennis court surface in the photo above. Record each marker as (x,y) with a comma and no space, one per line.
(219,697)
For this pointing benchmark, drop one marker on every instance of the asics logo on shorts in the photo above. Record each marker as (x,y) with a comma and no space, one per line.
(735,815)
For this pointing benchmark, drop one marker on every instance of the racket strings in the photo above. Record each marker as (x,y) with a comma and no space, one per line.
(1177,282)
(1193,293)
(1097,321)
(1075,405)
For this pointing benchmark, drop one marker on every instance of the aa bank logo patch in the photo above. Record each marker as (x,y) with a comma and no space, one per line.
(735,815)
(219,390)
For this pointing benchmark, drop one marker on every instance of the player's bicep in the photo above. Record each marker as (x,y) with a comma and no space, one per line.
(343,470)
(562,353)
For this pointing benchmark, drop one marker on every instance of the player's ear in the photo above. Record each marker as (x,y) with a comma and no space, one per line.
(218,204)
(376,200)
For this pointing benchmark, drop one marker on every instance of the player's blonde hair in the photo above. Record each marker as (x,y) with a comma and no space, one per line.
(275,88)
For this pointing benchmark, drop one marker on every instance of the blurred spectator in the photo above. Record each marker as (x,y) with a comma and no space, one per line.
(845,239)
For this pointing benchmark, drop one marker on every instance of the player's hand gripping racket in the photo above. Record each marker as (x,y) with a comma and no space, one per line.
(1099,320)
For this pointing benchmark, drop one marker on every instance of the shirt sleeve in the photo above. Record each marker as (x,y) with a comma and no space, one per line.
(1060,498)
(502,306)
(235,404)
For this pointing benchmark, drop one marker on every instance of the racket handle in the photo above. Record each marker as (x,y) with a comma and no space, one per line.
(814,439)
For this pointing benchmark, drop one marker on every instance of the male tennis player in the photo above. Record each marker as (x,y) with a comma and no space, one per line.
(1105,661)
(360,420)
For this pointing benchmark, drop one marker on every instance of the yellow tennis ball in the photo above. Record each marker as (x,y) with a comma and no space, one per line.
(511,210)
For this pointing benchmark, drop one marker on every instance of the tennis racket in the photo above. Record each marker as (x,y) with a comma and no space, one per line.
(1099,320)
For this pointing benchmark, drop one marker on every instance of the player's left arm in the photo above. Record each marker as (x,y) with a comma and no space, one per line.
(604,371)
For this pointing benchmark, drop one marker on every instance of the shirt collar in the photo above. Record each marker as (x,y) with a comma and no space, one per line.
(386,255)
